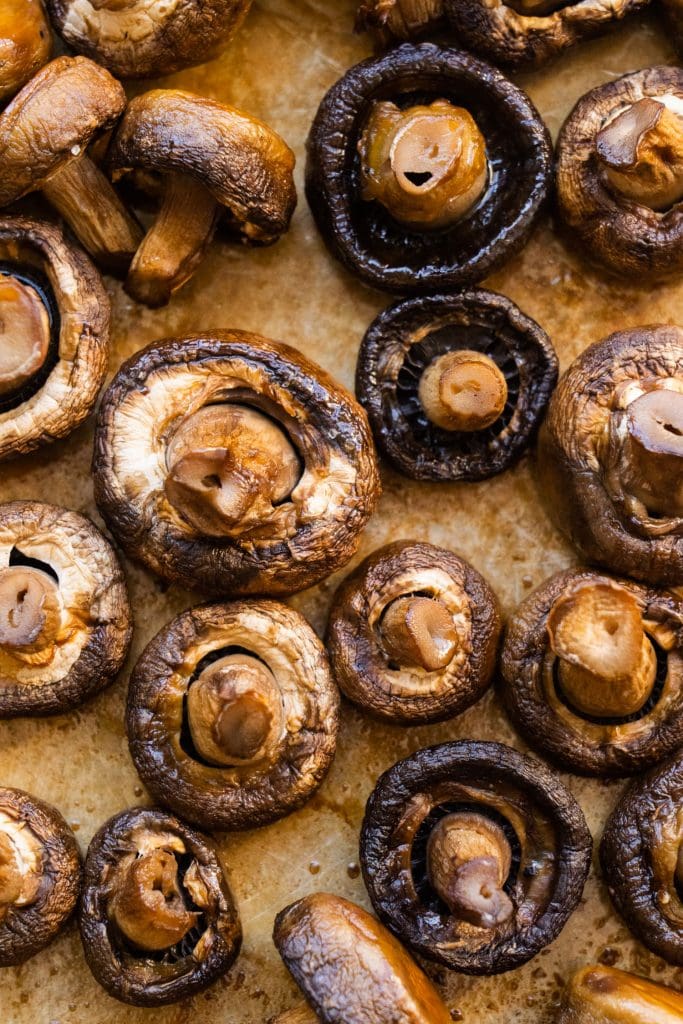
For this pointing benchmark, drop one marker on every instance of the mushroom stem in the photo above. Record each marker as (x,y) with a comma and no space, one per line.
(419,632)
(24,333)
(175,245)
(299,1015)
(11,880)
(147,903)
(29,609)
(463,390)
(655,451)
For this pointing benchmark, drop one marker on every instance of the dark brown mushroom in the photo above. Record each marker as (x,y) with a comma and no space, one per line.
(413,634)
(233,714)
(139,39)
(350,969)
(592,673)
(474,855)
(158,921)
(620,174)
(65,621)
(610,455)
(214,161)
(40,875)
(389,20)
(233,464)
(25,43)
(605,995)
(455,385)
(642,859)
(426,169)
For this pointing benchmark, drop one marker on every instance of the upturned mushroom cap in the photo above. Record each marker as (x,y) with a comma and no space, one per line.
(609,996)
(25,43)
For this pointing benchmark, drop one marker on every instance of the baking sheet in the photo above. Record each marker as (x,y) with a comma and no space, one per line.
(288,54)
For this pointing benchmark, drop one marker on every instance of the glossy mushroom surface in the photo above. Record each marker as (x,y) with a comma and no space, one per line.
(610,458)
(474,855)
(233,713)
(605,995)
(427,169)
(455,386)
(158,921)
(40,875)
(620,174)
(25,43)
(413,634)
(259,471)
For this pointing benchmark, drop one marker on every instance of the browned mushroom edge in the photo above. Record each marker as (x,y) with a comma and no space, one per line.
(642,859)
(341,956)
(25,43)
(610,456)
(65,620)
(479,113)
(471,425)
(474,855)
(389,20)
(259,470)
(413,634)
(40,875)
(233,713)
(158,921)
(615,167)
(598,993)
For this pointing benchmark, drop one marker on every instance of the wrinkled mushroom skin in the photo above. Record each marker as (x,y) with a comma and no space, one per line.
(455,386)
(25,43)
(484,231)
(143,39)
(40,875)
(440,829)
(413,634)
(158,921)
(640,855)
(592,673)
(350,968)
(232,714)
(610,457)
(65,620)
(605,995)
(390,20)
(297,541)
(619,174)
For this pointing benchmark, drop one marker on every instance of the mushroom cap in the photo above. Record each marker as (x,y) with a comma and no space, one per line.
(25,43)
(363,235)
(147,39)
(351,970)
(611,996)
(406,337)
(309,536)
(233,797)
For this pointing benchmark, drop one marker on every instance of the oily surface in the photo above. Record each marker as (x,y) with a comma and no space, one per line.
(278,68)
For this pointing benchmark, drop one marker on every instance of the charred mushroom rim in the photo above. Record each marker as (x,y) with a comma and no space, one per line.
(208,161)
(233,714)
(426,169)
(620,174)
(44,137)
(610,454)
(455,386)
(592,673)
(604,995)
(54,335)
(350,969)
(157,918)
(413,634)
(233,464)
(25,43)
(65,621)
(642,859)
(474,855)
(40,875)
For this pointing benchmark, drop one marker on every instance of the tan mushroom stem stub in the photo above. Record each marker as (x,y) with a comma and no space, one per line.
(24,333)
(30,609)
(607,664)
(463,390)
(20,865)
(147,903)
(655,451)
(419,632)
(468,863)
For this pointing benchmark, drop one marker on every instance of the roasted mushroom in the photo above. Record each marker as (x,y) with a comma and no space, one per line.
(642,859)
(65,622)
(231,463)
(426,169)
(620,173)
(139,39)
(610,454)
(389,20)
(157,918)
(351,970)
(213,160)
(413,634)
(474,855)
(44,137)
(40,875)
(232,714)
(54,335)
(604,995)
(455,385)
(25,43)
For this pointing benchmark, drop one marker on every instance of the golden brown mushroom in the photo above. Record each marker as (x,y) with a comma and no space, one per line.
(25,43)
(604,995)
